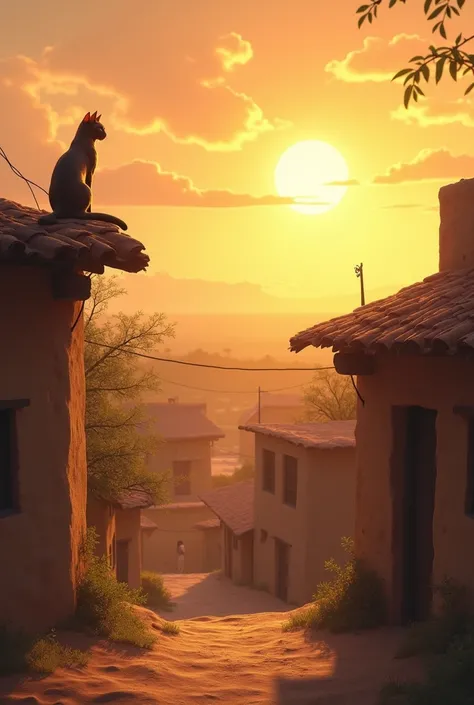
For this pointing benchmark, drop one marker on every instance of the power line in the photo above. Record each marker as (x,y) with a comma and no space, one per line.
(212,367)
(229,391)
(18,173)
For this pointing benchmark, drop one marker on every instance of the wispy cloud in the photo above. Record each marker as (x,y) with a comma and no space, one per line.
(429,164)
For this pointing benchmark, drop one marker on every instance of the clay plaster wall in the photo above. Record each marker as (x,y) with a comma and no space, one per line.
(435,383)
(42,361)
(128,529)
(198,452)
(211,539)
(268,414)
(175,524)
(324,513)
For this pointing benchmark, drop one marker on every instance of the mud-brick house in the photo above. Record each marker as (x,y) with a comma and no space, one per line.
(274,408)
(42,404)
(184,454)
(413,356)
(119,529)
(304,503)
(234,507)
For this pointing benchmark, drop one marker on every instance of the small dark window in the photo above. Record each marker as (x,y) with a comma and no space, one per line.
(268,480)
(263,535)
(470,469)
(182,477)
(290,480)
(8,462)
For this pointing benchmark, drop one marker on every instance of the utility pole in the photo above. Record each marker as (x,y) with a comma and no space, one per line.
(259,406)
(359,272)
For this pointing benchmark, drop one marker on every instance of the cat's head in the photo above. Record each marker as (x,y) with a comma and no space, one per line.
(92,127)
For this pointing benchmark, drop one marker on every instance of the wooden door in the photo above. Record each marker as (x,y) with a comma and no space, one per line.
(122,561)
(282,566)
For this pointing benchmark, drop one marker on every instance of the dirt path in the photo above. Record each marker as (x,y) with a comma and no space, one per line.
(204,595)
(238,659)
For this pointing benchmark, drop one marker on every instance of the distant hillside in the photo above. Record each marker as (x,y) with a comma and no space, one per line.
(196,296)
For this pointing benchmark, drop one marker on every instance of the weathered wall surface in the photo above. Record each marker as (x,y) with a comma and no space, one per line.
(434,383)
(128,529)
(42,361)
(101,517)
(198,452)
(272,414)
(176,523)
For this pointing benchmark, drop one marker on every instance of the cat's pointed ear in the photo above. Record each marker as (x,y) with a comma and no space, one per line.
(98,117)
(87,117)
(94,117)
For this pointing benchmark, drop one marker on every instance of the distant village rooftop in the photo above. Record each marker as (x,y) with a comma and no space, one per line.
(432,316)
(180,422)
(77,244)
(325,436)
(234,505)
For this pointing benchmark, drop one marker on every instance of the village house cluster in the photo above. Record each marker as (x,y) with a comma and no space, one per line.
(400,480)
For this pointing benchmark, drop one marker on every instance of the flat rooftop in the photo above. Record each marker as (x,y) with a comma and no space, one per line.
(324,436)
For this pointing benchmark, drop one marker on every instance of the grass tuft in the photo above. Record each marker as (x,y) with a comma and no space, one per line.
(20,653)
(170,628)
(353,600)
(157,595)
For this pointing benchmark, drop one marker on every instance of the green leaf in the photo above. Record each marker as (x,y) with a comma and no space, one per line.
(361,21)
(417,58)
(458,38)
(425,70)
(439,69)
(407,95)
(442,31)
(469,89)
(362,8)
(435,27)
(453,70)
(427,6)
(393,2)
(370,18)
(436,12)
(401,73)
(461,3)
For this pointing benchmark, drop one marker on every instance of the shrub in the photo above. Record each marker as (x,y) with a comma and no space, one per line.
(157,595)
(353,600)
(447,642)
(20,652)
(436,635)
(105,606)
(170,628)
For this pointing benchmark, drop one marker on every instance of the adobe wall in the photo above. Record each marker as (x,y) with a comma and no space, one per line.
(128,529)
(280,521)
(175,524)
(198,452)
(101,516)
(331,511)
(211,539)
(268,414)
(41,361)
(435,383)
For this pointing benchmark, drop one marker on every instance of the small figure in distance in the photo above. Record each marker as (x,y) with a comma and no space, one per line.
(70,192)
(180,551)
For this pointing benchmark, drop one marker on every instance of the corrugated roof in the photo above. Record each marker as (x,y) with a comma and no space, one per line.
(83,245)
(234,505)
(136,499)
(435,315)
(208,524)
(176,421)
(324,436)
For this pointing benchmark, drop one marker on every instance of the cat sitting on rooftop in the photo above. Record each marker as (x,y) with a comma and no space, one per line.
(70,192)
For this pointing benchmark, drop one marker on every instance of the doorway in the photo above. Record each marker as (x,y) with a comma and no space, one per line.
(282,566)
(413,496)
(122,561)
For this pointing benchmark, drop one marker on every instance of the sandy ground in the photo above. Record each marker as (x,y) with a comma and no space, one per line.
(230,649)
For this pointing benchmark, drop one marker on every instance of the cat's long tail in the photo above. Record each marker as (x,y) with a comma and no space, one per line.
(52,219)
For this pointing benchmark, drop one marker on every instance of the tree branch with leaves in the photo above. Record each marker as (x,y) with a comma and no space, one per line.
(329,397)
(454,57)
(118,434)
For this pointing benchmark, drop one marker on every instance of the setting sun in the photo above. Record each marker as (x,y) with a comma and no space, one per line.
(307,171)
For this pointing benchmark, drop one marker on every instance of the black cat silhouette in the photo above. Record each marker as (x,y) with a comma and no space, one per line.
(70,192)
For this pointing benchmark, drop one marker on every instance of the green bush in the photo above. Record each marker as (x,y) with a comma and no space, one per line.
(157,595)
(436,635)
(19,652)
(105,606)
(446,640)
(353,600)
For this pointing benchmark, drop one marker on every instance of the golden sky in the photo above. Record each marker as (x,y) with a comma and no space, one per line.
(201,97)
